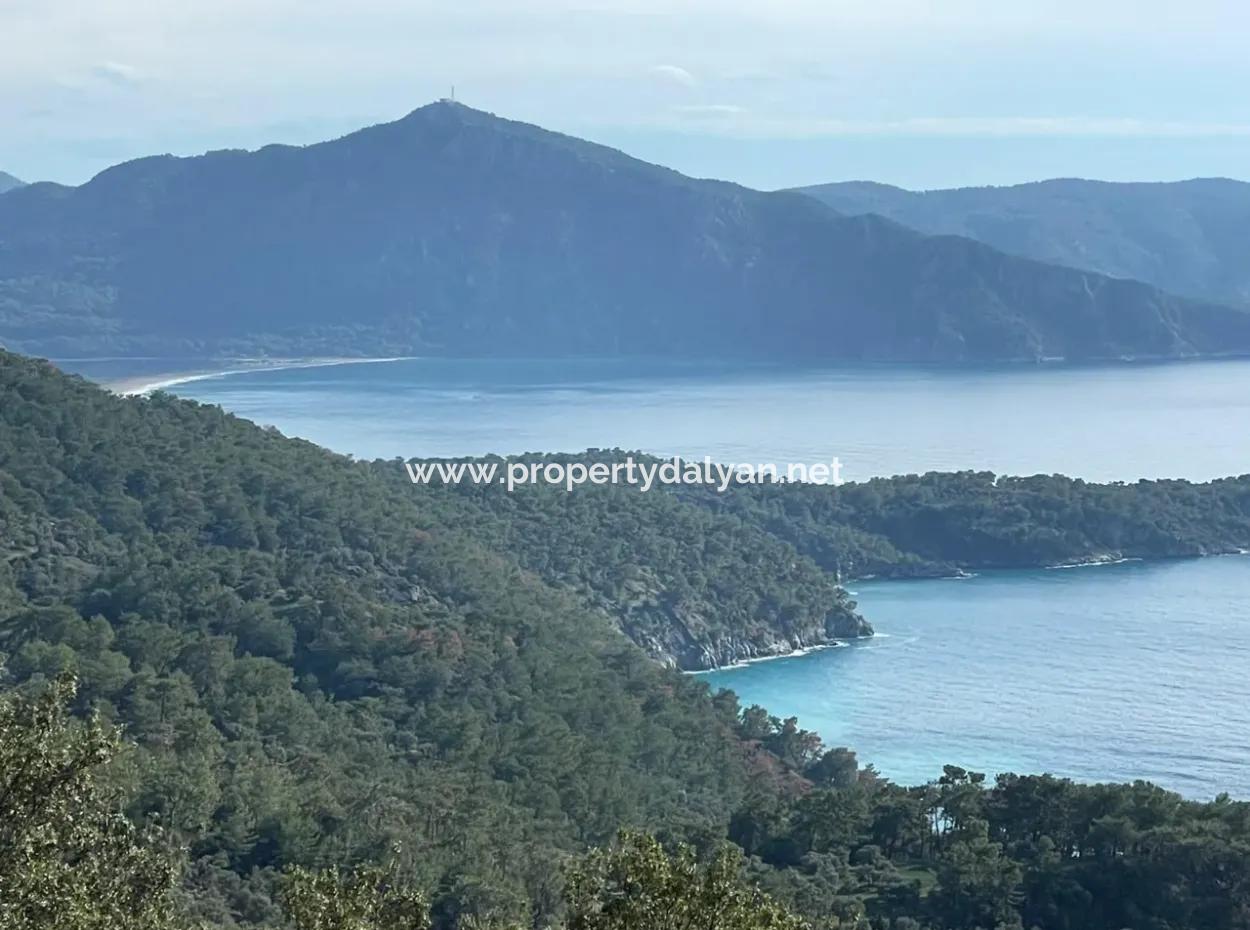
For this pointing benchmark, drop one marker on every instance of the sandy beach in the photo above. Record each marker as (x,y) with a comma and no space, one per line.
(145,384)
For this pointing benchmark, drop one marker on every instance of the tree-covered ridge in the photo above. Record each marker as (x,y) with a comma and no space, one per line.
(455,232)
(693,587)
(312,665)
(943,522)
(938,523)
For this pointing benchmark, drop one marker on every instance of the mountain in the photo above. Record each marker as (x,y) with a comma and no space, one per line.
(452,231)
(1189,237)
(8,182)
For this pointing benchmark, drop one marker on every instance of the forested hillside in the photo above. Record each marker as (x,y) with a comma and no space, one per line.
(455,232)
(940,523)
(692,586)
(313,666)
(849,851)
(927,525)
(318,665)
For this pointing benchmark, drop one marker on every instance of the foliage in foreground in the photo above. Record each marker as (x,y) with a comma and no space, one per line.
(364,898)
(69,858)
(1032,852)
(637,884)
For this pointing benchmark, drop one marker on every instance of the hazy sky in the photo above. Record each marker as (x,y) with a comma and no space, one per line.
(923,93)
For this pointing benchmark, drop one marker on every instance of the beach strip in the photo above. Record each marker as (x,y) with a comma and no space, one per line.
(145,384)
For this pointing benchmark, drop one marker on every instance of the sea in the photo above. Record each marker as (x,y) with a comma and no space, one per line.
(1111,672)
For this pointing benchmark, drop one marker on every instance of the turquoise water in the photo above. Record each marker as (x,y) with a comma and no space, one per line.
(1112,673)
(1103,423)
(1120,672)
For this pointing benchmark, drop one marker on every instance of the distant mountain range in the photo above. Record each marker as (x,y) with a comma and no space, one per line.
(8,182)
(452,231)
(1190,237)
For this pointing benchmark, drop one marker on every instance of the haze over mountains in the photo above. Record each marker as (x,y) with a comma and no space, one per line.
(1188,237)
(8,182)
(452,231)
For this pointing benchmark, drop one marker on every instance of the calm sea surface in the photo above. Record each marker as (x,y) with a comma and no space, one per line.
(1111,672)
(1117,672)
(1103,423)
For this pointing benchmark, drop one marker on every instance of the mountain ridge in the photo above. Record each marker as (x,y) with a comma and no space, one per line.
(452,231)
(1187,237)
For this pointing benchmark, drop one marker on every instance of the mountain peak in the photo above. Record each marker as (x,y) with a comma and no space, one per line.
(457,130)
(8,182)
(446,106)
(444,115)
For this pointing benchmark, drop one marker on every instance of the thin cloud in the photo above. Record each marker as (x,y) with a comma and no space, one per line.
(115,72)
(676,74)
(709,110)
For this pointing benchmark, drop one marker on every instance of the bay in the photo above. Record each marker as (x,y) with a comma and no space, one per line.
(1100,673)
(1103,423)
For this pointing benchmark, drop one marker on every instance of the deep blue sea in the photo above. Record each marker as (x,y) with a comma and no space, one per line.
(1114,672)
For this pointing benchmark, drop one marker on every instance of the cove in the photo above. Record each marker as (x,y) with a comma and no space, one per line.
(1106,673)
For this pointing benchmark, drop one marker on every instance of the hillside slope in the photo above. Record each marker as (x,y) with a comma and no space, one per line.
(314,665)
(1188,237)
(454,232)
(8,182)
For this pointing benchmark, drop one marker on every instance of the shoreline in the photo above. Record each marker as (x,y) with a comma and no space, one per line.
(139,385)
(1049,567)
(1096,563)
(755,660)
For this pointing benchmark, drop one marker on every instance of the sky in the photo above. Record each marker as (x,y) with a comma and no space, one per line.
(919,93)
